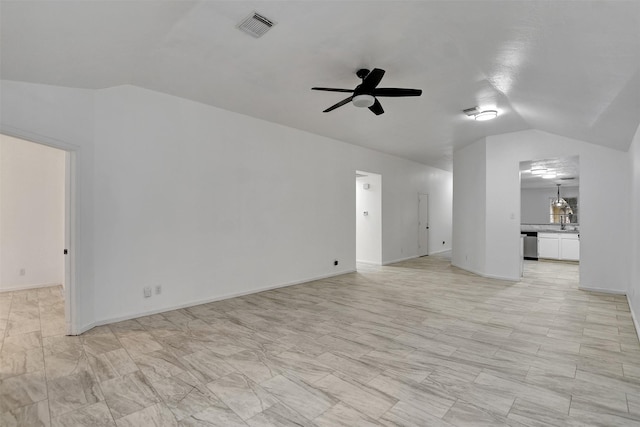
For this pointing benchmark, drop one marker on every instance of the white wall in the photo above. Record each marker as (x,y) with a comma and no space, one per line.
(369,227)
(31,214)
(534,203)
(469,207)
(604,254)
(633,292)
(210,203)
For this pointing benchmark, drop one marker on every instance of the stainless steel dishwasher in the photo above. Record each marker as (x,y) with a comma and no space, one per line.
(531,245)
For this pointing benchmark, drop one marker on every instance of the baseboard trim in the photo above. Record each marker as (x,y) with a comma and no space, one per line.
(439,252)
(634,318)
(27,287)
(110,320)
(488,276)
(400,260)
(602,290)
(359,261)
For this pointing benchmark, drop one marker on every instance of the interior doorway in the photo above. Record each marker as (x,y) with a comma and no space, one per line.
(423,224)
(37,204)
(368,218)
(550,212)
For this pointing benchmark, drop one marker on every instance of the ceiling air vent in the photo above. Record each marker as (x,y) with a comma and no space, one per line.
(256,25)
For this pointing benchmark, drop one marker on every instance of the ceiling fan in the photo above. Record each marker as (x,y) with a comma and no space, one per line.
(366,93)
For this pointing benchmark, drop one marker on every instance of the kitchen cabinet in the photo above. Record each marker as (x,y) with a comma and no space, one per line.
(562,246)
(548,245)
(570,247)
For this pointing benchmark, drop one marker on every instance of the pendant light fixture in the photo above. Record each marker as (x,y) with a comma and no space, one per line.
(559,202)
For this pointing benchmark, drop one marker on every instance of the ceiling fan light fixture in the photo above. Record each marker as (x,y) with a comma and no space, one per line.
(486,115)
(363,101)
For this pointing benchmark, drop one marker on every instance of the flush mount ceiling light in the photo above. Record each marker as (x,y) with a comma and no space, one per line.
(550,175)
(486,115)
(480,115)
(537,170)
(363,101)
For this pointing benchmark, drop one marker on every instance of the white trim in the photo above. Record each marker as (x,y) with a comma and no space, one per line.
(400,260)
(25,287)
(359,261)
(488,276)
(603,290)
(72,195)
(205,301)
(440,251)
(634,317)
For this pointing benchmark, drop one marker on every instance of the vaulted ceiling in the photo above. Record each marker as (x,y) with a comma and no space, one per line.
(566,67)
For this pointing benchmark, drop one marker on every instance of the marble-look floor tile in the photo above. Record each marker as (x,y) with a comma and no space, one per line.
(185,397)
(299,396)
(465,414)
(420,395)
(279,415)
(22,362)
(96,415)
(22,390)
(22,342)
(33,415)
(66,363)
(531,414)
(156,415)
(206,366)
(242,395)
(254,364)
(73,392)
(342,415)
(112,364)
(396,345)
(128,394)
(367,400)
(558,402)
(214,416)
(405,415)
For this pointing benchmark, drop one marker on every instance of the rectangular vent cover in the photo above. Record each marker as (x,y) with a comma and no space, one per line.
(256,25)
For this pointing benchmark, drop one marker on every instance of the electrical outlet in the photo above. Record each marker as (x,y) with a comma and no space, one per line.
(147,291)
(443,242)
(23,271)
(335,262)
(158,289)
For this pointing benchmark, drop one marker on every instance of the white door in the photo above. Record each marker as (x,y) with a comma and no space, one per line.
(423,225)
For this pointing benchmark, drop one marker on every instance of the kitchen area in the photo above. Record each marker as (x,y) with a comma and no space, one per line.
(550,228)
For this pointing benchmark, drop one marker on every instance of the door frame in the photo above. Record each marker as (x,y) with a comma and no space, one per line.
(71,229)
(426,252)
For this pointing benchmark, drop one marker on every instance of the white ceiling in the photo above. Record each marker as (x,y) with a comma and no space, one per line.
(566,67)
(565,169)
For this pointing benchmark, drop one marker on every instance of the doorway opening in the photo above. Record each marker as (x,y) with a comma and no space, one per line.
(37,205)
(550,212)
(368,218)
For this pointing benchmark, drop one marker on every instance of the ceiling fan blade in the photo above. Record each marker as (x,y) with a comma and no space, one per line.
(331,89)
(396,92)
(339,104)
(376,108)
(371,81)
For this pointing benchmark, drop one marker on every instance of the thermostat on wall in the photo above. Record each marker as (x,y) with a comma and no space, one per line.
(365,186)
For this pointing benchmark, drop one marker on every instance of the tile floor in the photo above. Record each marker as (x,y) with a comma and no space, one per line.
(418,343)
